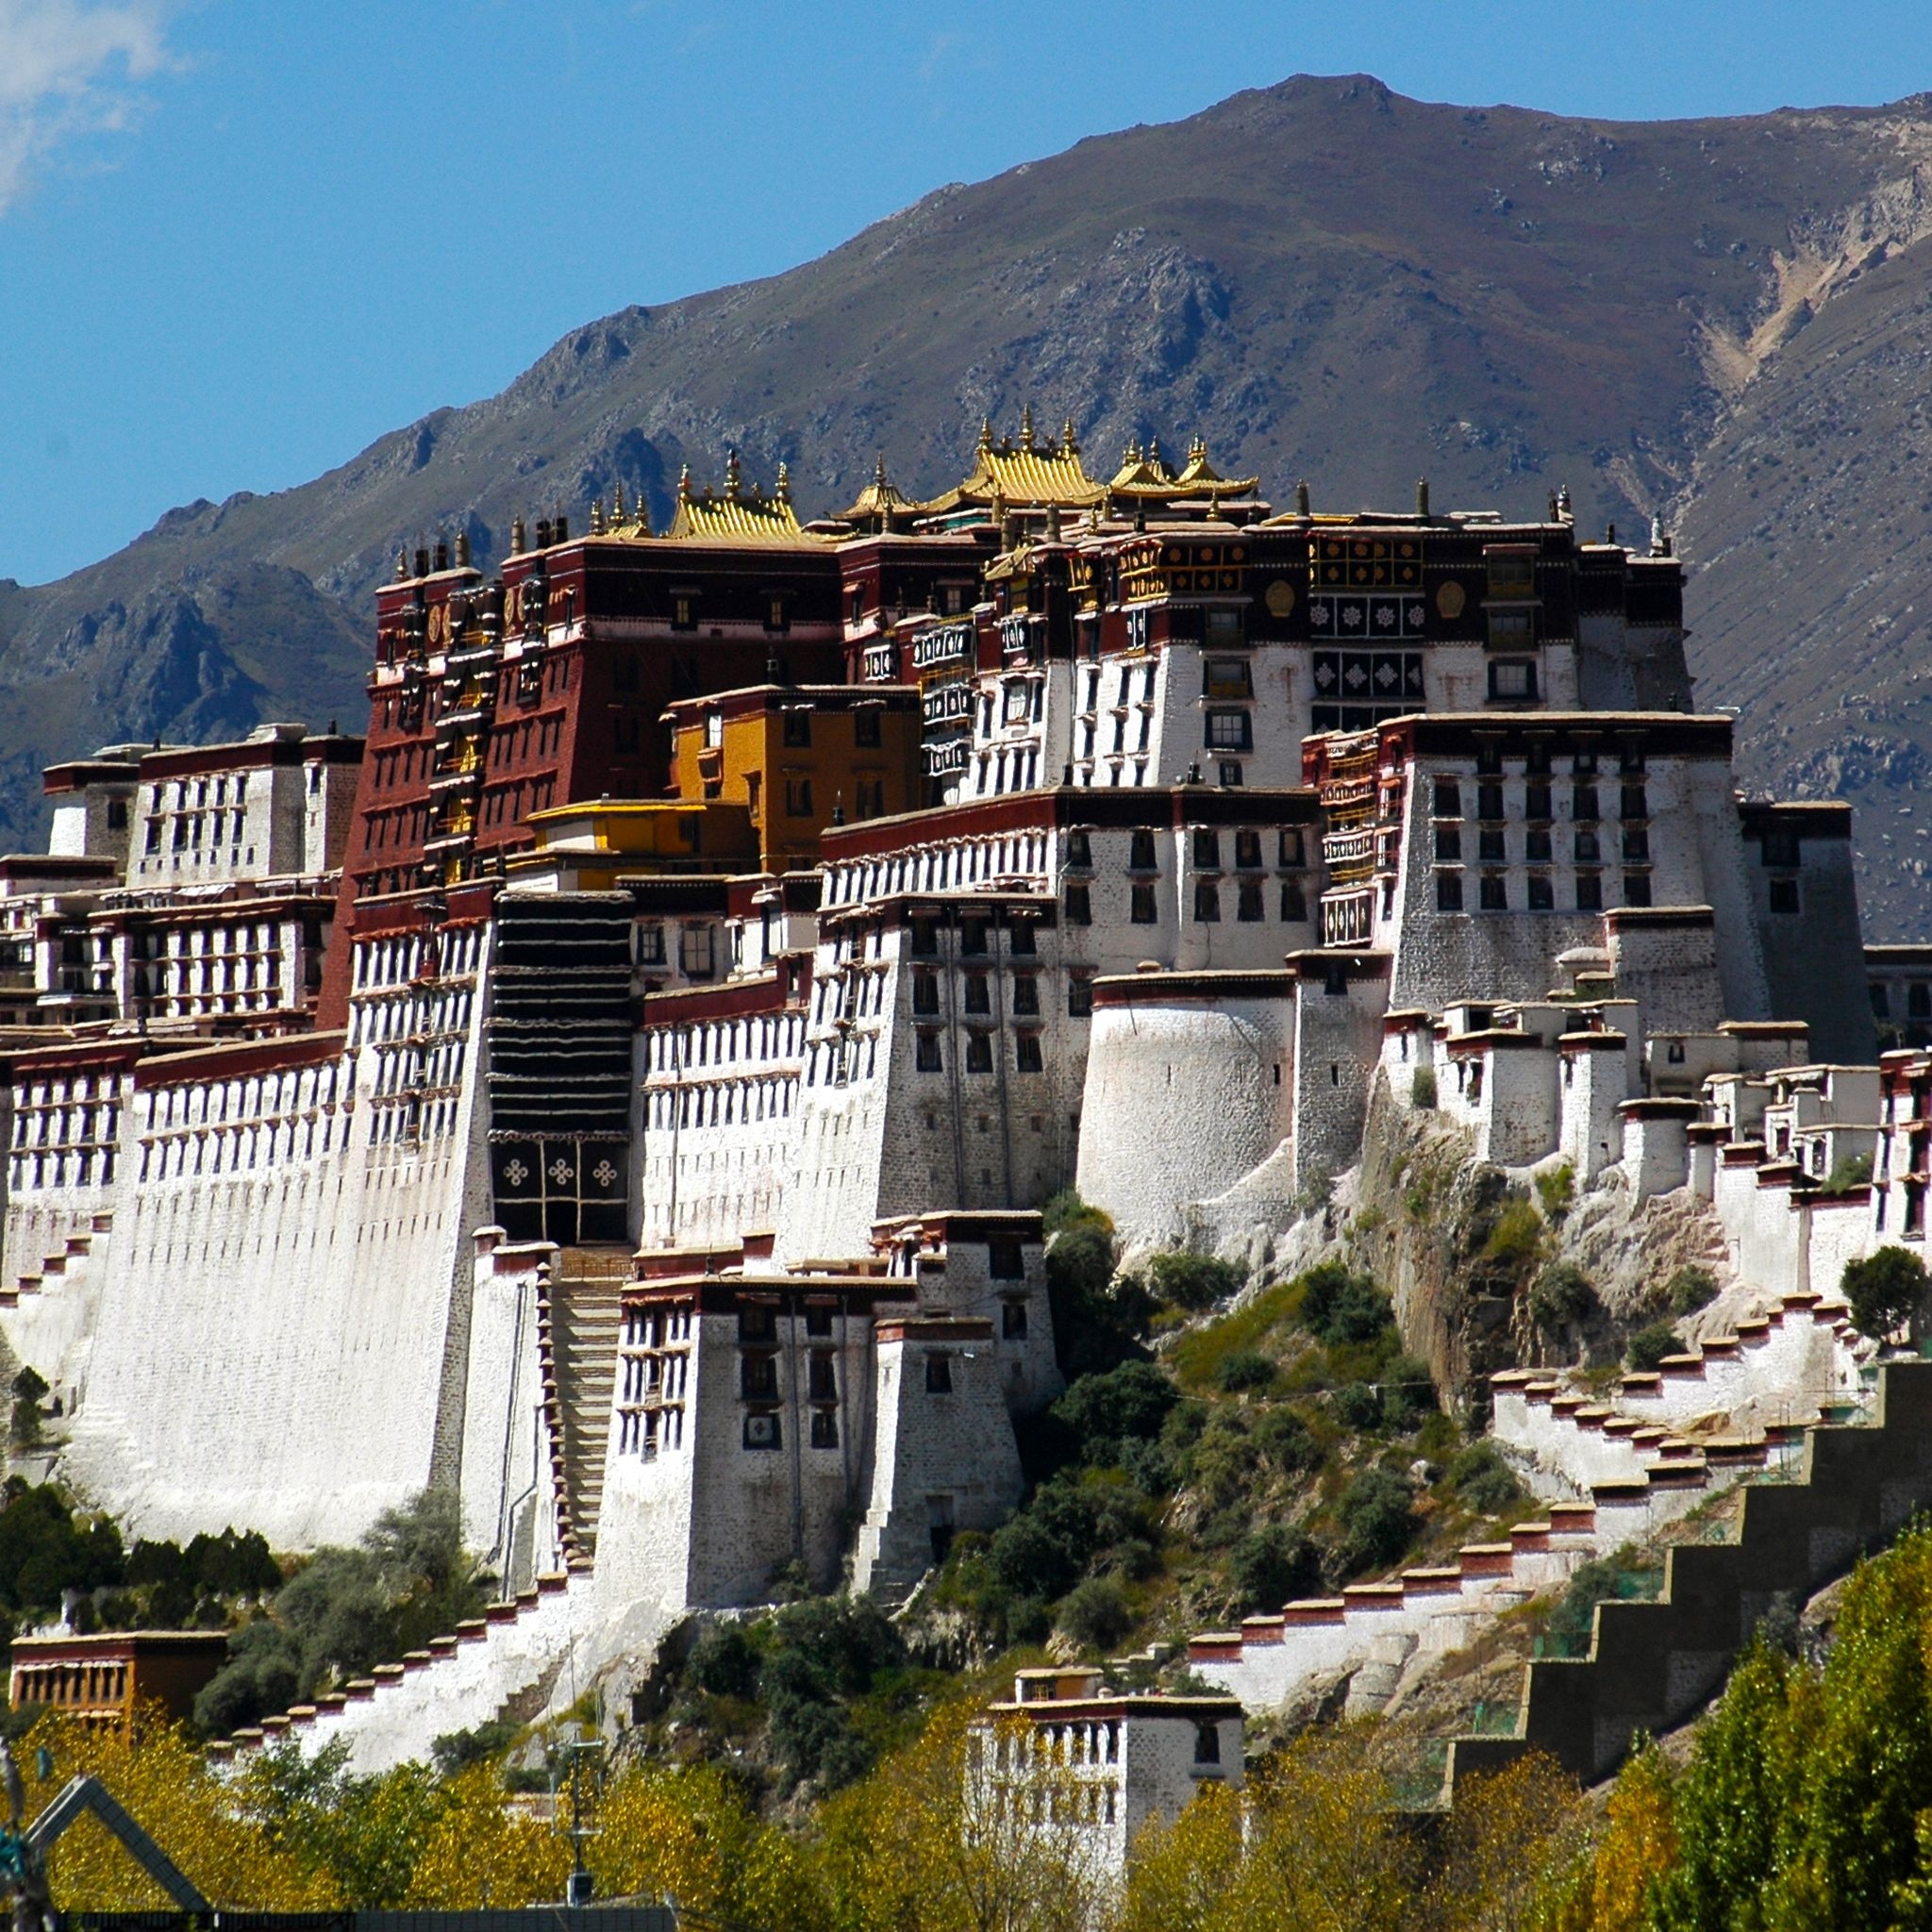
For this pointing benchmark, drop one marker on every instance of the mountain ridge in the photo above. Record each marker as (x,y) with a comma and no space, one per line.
(1721,320)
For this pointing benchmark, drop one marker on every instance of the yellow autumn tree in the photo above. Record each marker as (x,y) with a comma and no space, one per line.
(483,1849)
(165,1782)
(1608,1886)
(1184,1868)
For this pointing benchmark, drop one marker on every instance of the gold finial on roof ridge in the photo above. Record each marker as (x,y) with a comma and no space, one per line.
(878,471)
(1069,444)
(1027,427)
(783,493)
(617,504)
(985,434)
(1197,450)
(734,474)
(684,483)
(597,516)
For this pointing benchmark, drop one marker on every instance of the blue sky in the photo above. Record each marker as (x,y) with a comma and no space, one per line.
(240,239)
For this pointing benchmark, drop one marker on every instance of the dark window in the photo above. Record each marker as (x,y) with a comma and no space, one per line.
(925,992)
(1448,892)
(1079,850)
(1494,894)
(1489,756)
(825,1428)
(1079,998)
(1207,851)
(1248,901)
(757,1377)
(1230,771)
(1013,1320)
(1636,802)
(1295,901)
(1583,805)
(938,1375)
(684,612)
(1881,1004)
(1635,845)
(1488,846)
(1230,731)
(1780,848)
(1630,759)
(797,727)
(925,1055)
(1448,799)
(978,994)
(1079,905)
(1025,993)
(1005,1260)
(1536,845)
(1291,853)
(1784,895)
(1027,1054)
(1143,910)
(1541,898)
(758,1324)
(117,814)
(1536,801)
(798,799)
(822,1377)
(979,1053)
(775,614)
(1248,849)
(1019,939)
(1536,758)
(972,938)
(1587,849)
(1207,902)
(1488,801)
(926,938)
(1449,843)
(865,725)
(762,1430)
(1511,678)
(1206,1743)
(1589,892)
(1636,889)
(1140,852)
(818,1319)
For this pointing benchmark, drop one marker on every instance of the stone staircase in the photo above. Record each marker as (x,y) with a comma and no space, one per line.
(1653,1665)
(578,1323)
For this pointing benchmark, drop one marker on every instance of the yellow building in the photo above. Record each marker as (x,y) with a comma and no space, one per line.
(797,758)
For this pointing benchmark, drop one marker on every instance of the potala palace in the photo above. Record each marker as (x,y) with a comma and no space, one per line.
(624,1084)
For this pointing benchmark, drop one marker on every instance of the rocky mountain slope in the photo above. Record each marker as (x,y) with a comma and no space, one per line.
(1727,321)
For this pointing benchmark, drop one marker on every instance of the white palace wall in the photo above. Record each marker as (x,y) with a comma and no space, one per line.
(293,1257)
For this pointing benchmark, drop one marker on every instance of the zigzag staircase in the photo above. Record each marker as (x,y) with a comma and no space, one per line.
(1653,1665)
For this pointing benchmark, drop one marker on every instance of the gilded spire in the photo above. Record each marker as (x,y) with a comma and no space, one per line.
(734,475)
(1027,427)
(1069,447)
(617,504)
(784,490)
(684,483)
(986,434)
(878,471)
(597,516)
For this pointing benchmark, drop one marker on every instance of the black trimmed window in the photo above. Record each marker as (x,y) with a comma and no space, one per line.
(1207,903)
(1784,895)
(1494,892)
(1207,849)
(1636,889)
(978,994)
(1143,910)
(1230,731)
(1140,852)
(1590,891)
(925,992)
(1448,892)
(925,1054)
(1079,905)
(1027,1054)
(979,1053)
(1541,895)
(1294,902)
(1080,997)
(1025,993)
(1248,909)
(938,1375)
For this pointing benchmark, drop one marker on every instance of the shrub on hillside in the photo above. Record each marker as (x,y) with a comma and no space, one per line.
(1690,1289)
(1285,1440)
(1646,1349)
(1096,1614)
(1340,1305)
(1247,1368)
(1421,1087)
(1409,1393)
(723,1661)
(1098,1321)
(1377,1518)
(1357,1406)
(1129,1401)
(1516,1236)
(1192,1281)
(1274,1566)
(1561,1294)
(1482,1479)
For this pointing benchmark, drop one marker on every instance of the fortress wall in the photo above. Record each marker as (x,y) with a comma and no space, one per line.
(715,1125)
(292,1257)
(1188,1088)
(508,1502)
(1338,1027)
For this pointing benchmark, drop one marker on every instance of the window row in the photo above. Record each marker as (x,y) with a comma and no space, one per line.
(1539,845)
(928,1053)
(1250,902)
(1538,801)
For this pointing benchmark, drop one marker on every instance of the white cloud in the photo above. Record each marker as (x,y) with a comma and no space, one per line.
(70,69)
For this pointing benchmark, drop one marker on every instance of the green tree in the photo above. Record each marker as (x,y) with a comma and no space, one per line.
(1885,1290)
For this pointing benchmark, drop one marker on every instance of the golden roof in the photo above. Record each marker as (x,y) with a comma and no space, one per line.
(1143,473)
(880,501)
(1024,475)
(701,517)
(624,521)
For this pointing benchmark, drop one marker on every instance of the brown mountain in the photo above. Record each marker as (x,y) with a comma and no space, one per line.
(1725,321)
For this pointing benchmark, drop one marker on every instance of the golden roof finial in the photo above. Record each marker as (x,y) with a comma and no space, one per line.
(783,493)
(617,504)
(684,483)
(597,516)
(878,471)
(1069,447)
(734,474)
(1197,451)
(1027,427)
(985,434)
(401,565)
(1154,455)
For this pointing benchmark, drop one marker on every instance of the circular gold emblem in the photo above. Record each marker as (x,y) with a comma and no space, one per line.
(1449,599)
(1280,597)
